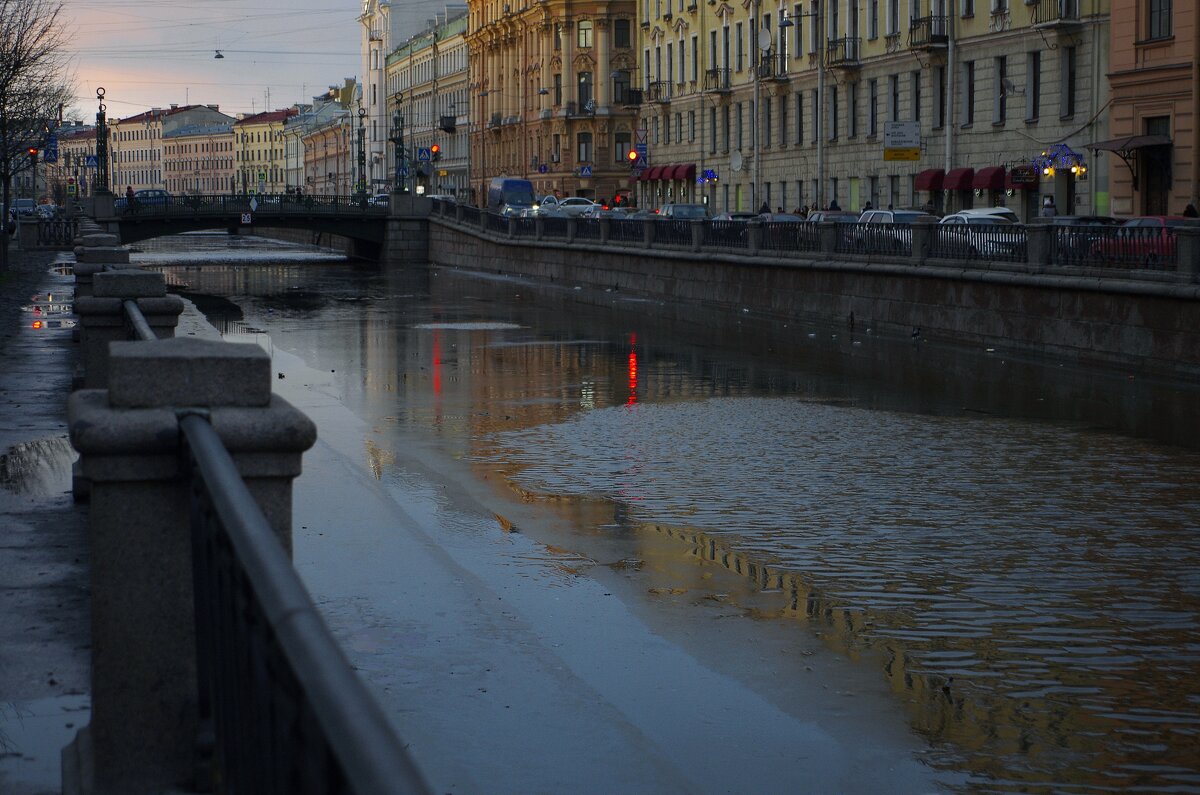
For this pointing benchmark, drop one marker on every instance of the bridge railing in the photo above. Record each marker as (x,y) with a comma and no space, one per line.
(252,692)
(260,204)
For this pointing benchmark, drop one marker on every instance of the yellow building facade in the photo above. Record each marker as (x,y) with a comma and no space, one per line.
(549,90)
(795,104)
(259,151)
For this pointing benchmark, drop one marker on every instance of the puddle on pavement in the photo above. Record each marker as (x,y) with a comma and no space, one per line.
(32,737)
(31,471)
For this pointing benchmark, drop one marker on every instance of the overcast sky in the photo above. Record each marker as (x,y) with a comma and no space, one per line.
(151,53)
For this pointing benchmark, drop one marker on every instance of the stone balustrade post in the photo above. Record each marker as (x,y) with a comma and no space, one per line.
(511,231)
(1039,245)
(572,229)
(605,228)
(1188,241)
(828,232)
(458,213)
(697,227)
(923,231)
(102,316)
(753,236)
(483,220)
(144,719)
(539,227)
(648,232)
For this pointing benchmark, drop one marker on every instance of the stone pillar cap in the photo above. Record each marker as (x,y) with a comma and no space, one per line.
(98,239)
(188,372)
(129,283)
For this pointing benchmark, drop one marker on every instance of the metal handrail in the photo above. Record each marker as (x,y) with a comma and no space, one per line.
(315,728)
(141,329)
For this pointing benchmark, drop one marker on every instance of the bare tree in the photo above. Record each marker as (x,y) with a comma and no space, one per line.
(34,85)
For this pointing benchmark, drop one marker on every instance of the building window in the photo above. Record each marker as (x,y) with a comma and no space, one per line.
(783,100)
(740,123)
(725,126)
(873,107)
(852,110)
(1159,17)
(695,58)
(893,17)
(816,115)
(873,20)
(583,33)
(799,118)
(766,124)
(585,89)
(1000,103)
(691,126)
(1068,81)
(968,93)
(620,86)
(1033,85)
(834,114)
(939,77)
(712,126)
(558,94)
(893,110)
(968,8)
(621,37)
(916,96)
(798,24)
(740,48)
(622,143)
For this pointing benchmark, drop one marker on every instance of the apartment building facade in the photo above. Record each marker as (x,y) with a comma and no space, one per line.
(135,143)
(549,88)
(1154,145)
(793,104)
(429,100)
(199,159)
(258,151)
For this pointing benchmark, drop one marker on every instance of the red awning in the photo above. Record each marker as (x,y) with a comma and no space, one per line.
(958,179)
(654,173)
(930,179)
(686,171)
(990,178)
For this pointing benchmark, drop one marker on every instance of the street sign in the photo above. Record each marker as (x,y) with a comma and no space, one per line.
(585,171)
(254,205)
(91,161)
(424,155)
(247,218)
(50,151)
(543,168)
(902,140)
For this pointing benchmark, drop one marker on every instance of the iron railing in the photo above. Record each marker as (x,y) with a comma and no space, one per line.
(887,239)
(266,204)
(931,31)
(979,242)
(727,234)
(626,230)
(587,228)
(281,709)
(718,79)
(1120,247)
(673,231)
(57,233)
(1050,12)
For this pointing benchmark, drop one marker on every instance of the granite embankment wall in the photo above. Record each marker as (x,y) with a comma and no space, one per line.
(1144,326)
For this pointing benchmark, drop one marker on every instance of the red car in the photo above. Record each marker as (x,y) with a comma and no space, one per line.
(1145,241)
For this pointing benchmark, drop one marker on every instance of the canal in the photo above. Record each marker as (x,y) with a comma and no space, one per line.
(1003,551)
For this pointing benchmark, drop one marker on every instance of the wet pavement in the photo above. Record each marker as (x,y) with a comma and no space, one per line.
(44,622)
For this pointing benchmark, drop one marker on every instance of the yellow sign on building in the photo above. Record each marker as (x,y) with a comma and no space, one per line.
(902,153)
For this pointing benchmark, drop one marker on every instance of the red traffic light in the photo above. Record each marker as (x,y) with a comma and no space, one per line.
(633,155)
(435,148)
(33,150)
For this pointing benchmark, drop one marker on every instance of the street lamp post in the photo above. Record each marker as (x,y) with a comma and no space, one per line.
(400,177)
(101,186)
(360,189)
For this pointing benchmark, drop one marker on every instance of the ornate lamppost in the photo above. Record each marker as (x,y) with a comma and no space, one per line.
(400,177)
(101,185)
(360,189)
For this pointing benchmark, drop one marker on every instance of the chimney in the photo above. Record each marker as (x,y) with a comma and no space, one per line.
(174,106)
(213,107)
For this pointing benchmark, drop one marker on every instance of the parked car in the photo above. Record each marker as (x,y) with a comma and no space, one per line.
(1075,235)
(146,198)
(22,207)
(383,200)
(980,215)
(47,211)
(985,234)
(683,211)
(735,216)
(835,216)
(600,211)
(575,206)
(886,231)
(1146,241)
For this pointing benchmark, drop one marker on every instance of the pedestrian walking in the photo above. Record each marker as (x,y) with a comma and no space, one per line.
(1190,211)
(1048,208)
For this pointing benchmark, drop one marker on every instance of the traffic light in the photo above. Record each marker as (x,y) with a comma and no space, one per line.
(632,157)
(33,152)
(435,152)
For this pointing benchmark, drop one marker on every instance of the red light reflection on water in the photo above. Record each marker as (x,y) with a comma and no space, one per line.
(633,369)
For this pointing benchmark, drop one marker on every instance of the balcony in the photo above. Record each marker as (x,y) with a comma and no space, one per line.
(659,91)
(718,80)
(844,52)
(929,33)
(630,98)
(495,121)
(1054,14)
(772,66)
